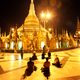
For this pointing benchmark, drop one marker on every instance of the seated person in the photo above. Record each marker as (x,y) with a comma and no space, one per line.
(46,68)
(43,55)
(56,62)
(49,54)
(34,57)
(30,68)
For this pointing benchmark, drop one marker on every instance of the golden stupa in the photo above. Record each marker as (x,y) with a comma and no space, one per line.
(34,35)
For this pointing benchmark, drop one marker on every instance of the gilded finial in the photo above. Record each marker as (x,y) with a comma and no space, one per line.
(31,1)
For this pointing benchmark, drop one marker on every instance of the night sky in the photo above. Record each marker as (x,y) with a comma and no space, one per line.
(13,12)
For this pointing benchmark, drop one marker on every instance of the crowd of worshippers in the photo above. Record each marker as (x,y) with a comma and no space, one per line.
(46,65)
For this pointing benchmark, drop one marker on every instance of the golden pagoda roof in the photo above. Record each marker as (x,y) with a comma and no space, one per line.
(31,21)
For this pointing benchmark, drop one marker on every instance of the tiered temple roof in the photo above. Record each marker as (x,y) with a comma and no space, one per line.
(31,22)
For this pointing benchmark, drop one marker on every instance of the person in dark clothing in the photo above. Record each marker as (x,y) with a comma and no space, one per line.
(30,68)
(43,55)
(21,52)
(46,68)
(56,62)
(34,57)
(49,54)
(44,49)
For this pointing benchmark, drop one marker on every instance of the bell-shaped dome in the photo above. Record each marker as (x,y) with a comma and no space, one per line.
(31,20)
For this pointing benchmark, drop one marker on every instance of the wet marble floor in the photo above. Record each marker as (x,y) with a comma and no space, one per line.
(12,68)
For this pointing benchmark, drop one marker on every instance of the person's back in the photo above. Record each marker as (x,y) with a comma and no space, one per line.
(49,54)
(34,57)
(21,52)
(29,69)
(43,55)
(46,68)
(30,64)
(56,62)
(46,64)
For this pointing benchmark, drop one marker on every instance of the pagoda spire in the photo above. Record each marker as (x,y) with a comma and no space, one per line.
(32,10)
(31,20)
(78,26)
(31,1)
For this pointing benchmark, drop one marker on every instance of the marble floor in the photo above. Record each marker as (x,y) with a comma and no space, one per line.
(12,67)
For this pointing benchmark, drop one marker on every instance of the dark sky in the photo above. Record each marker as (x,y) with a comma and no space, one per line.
(13,12)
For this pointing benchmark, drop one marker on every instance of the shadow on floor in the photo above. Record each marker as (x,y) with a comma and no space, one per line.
(63,61)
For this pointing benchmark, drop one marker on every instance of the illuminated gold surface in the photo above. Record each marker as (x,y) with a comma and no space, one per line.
(14,69)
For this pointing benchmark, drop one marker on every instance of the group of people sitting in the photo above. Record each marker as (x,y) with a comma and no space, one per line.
(46,66)
(43,55)
(34,56)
